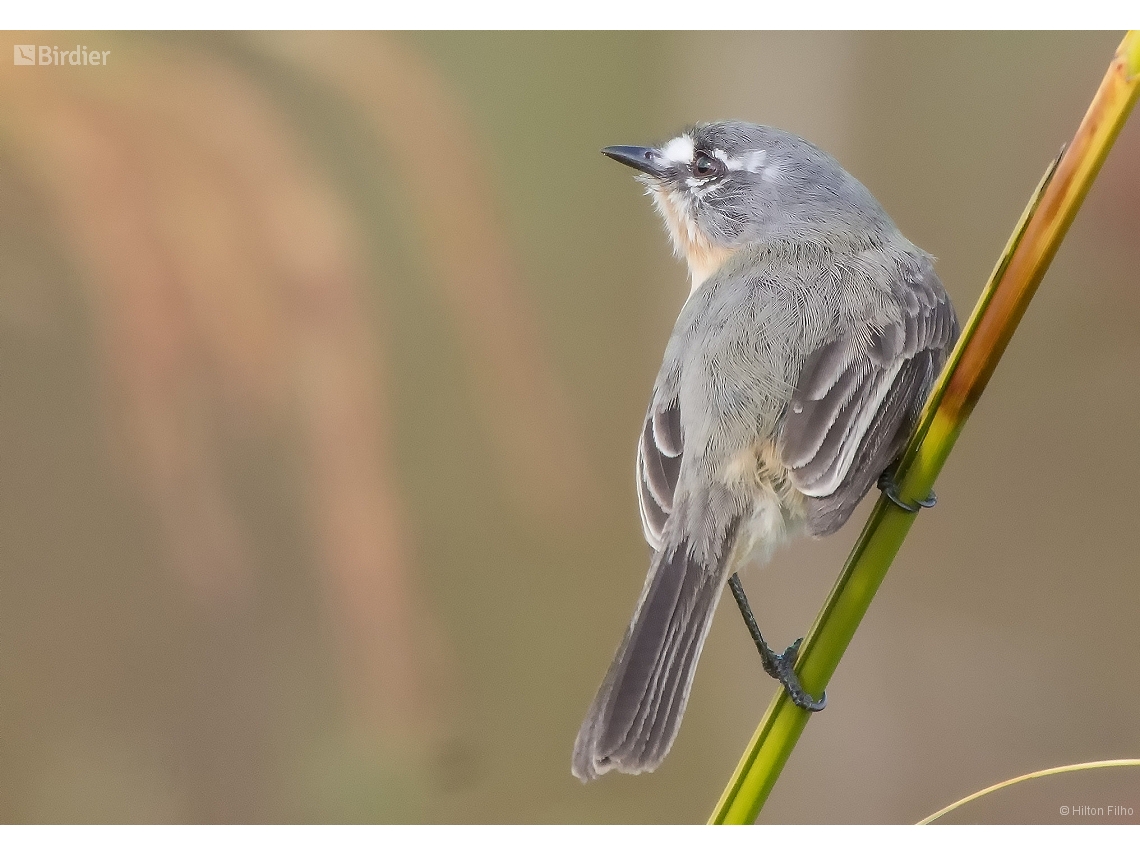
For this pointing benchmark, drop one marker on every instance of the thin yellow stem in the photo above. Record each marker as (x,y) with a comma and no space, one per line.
(1044,773)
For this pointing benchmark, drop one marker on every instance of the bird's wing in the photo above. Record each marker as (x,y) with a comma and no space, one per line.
(658,464)
(856,399)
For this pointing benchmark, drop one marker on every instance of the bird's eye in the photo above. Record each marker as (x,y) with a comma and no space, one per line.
(705,165)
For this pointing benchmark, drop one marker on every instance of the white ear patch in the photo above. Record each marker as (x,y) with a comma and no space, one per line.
(678,150)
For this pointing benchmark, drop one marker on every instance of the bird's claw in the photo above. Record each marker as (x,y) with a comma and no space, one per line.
(777,666)
(785,664)
(891,491)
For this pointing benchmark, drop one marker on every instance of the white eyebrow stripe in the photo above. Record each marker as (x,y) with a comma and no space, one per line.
(730,163)
(678,150)
(756,160)
(752,162)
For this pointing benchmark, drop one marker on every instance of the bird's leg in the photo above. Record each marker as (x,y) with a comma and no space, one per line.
(779,666)
(891,491)
(768,657)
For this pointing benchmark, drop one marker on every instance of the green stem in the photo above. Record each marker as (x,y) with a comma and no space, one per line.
(1012,284)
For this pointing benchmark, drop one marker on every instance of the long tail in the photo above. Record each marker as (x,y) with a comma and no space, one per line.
(634,718)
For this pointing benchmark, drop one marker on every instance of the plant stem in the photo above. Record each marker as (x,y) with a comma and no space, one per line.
(999,309)
(1043,773)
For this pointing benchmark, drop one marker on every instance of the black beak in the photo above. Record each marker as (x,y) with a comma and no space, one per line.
(647,160)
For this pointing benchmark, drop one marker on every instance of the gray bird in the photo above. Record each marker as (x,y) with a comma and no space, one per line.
(797,367)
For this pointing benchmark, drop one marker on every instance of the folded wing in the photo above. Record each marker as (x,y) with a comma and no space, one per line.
(856,400)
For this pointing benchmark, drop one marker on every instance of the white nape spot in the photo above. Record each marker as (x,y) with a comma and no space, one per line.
(678,150)
(770,172)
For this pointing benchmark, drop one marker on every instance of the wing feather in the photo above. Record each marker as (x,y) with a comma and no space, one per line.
(856,398)
(658,467)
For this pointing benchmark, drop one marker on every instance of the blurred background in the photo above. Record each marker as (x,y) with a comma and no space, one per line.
(322,362)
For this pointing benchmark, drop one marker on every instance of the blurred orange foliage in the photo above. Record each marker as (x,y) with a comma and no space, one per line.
(231,290)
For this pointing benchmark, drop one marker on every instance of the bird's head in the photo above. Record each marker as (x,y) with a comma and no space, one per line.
(723,185)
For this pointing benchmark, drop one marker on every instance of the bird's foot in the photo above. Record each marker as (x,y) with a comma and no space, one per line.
(778,666)
(785,673)
(891,491)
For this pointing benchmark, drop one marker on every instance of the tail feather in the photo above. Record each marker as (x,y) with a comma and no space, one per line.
(634,718)
(674,705)
(643,658)
(654,703)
